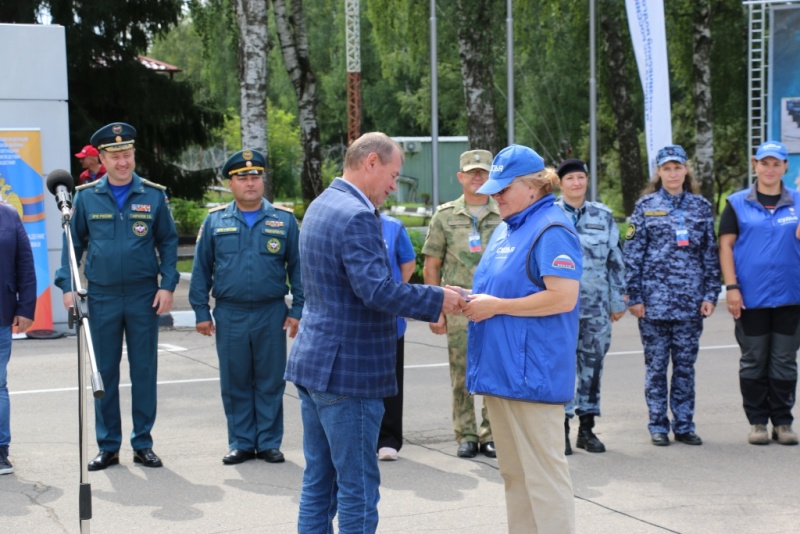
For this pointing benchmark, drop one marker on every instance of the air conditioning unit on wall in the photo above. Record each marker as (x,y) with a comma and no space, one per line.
(411,146)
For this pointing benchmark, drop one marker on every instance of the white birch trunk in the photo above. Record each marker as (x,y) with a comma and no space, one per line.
(704,123)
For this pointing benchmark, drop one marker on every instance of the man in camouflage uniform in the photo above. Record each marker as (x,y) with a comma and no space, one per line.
(457,236)
(601,302)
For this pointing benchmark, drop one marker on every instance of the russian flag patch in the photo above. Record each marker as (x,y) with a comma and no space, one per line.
(563,261)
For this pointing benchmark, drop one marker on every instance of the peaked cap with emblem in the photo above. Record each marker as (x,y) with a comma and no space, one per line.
(114,137)
(244,161)
(476,159)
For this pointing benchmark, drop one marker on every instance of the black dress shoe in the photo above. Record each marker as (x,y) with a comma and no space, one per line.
(237,456)
(689,438)
(659,439)
(273,456)
(147,458)
(488,449)
(103,460)
(468,449)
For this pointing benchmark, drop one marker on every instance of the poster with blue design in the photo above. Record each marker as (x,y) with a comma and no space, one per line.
(21,186)
(784,93)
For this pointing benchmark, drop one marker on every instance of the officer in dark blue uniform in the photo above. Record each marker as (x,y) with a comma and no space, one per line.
(245,251)
(121,221)
(673,280)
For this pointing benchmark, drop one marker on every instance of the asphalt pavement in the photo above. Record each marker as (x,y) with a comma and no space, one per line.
(723,486)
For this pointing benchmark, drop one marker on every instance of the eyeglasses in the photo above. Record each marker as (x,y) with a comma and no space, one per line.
(504,190)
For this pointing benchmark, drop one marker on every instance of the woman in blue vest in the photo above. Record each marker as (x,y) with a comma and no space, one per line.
(522,339)
(672,278)
(759,249)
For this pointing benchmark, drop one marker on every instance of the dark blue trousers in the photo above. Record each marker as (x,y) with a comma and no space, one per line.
(111,316)
(251,346)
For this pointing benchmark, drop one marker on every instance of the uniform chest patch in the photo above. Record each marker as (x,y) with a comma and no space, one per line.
(274,224)
(140,228)
(595,227)
(656,213)
(144,208)
(226,230)
(102,215)
(563,261)
(273,246)
(630,232)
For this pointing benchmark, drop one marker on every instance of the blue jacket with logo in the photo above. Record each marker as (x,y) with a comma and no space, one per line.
(526,358)
(246,265)
(121,245)
(767,252)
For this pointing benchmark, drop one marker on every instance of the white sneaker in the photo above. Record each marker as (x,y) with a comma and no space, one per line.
(387,454)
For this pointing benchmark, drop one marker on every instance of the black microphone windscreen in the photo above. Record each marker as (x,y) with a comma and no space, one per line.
(59,177)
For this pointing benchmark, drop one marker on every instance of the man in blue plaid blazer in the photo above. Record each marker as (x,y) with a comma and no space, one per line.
(343,359)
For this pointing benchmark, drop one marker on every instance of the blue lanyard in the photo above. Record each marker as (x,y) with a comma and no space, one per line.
(475,218)
(678,208)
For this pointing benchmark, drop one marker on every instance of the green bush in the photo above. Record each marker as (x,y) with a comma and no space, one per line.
(417,239)
(188,215)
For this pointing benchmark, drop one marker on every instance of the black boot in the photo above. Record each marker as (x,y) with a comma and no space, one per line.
(586,438)
(568,448)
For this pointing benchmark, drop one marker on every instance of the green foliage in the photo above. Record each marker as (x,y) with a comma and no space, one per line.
(188,215)
(417,239)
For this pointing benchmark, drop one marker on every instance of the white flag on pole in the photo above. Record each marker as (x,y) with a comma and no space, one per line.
(646,23)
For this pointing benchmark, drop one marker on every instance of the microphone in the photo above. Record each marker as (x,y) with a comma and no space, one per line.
(60,184)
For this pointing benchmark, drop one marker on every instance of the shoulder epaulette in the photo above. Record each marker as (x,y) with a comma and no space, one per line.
(84,186)
(218,208)
(153,184)
(284,208)
(446,205)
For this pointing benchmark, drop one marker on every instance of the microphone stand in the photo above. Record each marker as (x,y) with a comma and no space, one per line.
(79,318)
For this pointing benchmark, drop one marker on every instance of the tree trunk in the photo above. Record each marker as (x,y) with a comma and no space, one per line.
(704,123)
(293,38)
(254,45)
(619,89)
(475,37)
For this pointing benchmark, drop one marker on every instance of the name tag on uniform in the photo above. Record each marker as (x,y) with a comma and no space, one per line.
(102,216)
(273,231)
(145,216)
(226,230)
(659,213)
(595,227)
(457,222)
(475,242)
(682,236)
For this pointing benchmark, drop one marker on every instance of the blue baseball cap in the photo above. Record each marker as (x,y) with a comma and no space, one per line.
(509,163)
(246,161)
(772,149)
(671,153)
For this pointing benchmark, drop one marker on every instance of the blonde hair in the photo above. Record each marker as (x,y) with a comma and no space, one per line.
(377,142)
(546,180)
(689,183)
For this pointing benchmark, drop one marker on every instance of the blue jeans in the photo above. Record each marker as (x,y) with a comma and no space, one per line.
(340,436)
(5,407)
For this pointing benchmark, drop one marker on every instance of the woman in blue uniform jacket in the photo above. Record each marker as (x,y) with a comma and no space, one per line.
(759,245)
(672,278)
(522,338)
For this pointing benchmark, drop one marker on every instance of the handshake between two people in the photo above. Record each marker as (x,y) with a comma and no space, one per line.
(460,301)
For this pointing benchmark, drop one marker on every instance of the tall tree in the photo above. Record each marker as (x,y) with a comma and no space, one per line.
(704,123)
(293,38)
(108,83)
(254,47)
(617,61)
(476,26)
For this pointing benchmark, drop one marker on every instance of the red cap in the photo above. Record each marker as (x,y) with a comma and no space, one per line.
(88,150)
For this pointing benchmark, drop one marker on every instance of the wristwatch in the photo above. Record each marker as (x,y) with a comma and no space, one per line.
(732,286)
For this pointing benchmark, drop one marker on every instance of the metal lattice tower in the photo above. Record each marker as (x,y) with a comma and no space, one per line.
(353,41)
(756,79)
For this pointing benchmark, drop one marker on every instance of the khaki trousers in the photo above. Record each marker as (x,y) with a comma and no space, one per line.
(529,437)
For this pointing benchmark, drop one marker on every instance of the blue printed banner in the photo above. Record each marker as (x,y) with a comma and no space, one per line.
(21,188)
